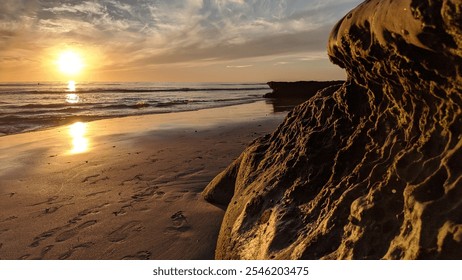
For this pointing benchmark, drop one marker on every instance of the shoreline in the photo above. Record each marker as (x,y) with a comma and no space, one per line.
(29,108)
(88,119)
(134,194)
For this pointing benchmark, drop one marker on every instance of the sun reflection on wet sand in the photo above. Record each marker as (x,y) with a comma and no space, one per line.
(79,141)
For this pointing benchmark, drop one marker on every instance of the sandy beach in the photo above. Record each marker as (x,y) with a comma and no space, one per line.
(126,188)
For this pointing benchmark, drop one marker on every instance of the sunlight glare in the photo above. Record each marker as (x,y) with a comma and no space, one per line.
(70,63)
(72,98)
(71,86)
(79,141)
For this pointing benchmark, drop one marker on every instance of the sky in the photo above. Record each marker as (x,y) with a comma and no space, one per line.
(170,40)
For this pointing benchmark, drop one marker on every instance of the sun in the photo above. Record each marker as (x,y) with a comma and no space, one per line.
(70,63)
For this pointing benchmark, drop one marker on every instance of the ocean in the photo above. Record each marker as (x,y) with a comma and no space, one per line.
(33,106)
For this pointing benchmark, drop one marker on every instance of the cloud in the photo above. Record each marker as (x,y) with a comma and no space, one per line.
(137,33)
(239,66)
(84,8)
(313,56)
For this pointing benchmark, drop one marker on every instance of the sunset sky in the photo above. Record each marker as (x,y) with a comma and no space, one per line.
(170,41)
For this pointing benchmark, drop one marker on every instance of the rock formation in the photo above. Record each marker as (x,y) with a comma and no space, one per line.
(299,90)
(286,95)
(372,170)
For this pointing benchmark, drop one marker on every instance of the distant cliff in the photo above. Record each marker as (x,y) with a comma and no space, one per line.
(371,170)
(300,90)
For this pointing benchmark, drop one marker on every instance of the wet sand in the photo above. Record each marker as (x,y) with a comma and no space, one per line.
(125,188)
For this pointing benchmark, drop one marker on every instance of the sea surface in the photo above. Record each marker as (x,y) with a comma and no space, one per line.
(32,106)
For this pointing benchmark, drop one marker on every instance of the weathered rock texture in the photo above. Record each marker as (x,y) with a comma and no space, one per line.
(372,170)
(300,90)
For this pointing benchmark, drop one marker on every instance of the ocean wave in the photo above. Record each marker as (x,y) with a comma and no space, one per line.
(129,90)
(18,84)
(138,105)
(173,103)
(63,110)
(29,106)
(49,105)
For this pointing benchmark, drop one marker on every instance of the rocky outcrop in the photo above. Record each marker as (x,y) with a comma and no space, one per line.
(299,90)
(372,170)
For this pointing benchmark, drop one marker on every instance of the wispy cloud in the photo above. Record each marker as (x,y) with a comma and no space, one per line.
(239,66)
(313,56)
(84,8)
(140,33)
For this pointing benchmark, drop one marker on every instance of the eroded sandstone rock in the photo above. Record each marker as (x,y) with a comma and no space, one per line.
(372,170)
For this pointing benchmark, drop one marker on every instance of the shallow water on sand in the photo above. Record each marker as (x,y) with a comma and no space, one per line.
(33,106)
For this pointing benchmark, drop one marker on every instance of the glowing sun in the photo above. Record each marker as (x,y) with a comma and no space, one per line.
(70,63)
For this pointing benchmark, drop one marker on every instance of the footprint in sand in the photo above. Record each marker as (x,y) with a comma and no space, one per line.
(97,193)
(144,194)
(89,177)
(24,257)
(69,253)
(159,194)
(51,210)
(8,219)
(44,251)
(122,210)
(99,180)
(172,197)
(49,200)
(66,255)
(72,232)
(135,180)
(45,235)
(53,200)
(83,213)
(125,231)
(141,255)
(179,223)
